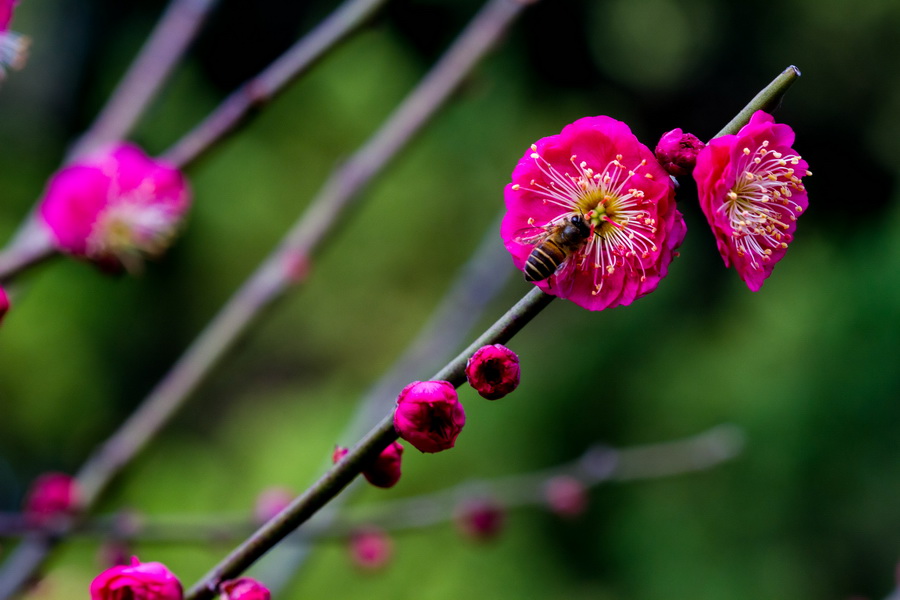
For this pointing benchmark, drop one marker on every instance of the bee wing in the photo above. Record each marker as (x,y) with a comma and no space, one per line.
(531,236)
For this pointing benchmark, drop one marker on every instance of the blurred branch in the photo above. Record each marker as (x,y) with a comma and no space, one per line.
(767,99)
(269,282)
(296,61)
(151,68)
(599,464)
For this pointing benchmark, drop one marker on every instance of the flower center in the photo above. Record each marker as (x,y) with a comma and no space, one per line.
(759,205)
(622,228)
(130,228)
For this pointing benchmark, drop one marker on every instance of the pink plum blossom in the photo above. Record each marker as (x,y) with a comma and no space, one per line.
(137,581)
(751,191)
(677,152)
(429,415)
(13,46)
(51,495)
(493,371)
(245,588)
(597,173)
(116,207)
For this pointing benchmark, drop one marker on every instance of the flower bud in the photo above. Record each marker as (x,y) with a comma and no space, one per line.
(566,496)
(245,588)
(137,581)
(4,304)
(115,208)
(493,371)
(270,502)
(339,453)
(370,548)
(51,496)
(429,415)
(385,471)
(677,152)
(480,518)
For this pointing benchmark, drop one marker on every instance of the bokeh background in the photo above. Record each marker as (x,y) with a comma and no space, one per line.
(807,368)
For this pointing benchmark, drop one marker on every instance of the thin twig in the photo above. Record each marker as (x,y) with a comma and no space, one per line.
(767,99)
(598,465)
(296,61)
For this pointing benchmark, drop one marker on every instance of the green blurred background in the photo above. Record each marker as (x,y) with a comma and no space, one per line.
(807,367)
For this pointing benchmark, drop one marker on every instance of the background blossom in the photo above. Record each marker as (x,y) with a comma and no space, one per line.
(116,207)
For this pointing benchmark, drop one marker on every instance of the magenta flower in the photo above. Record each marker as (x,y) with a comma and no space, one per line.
(13,47)
(751,192)
(245,588)
(137,581)
(4,304)
(493,371)
(480,518)
(618,203)
(116,208)
(51,496)
(677,152)
(370,548)
(429,415)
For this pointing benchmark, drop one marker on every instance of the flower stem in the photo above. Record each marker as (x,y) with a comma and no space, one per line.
(342,473)
(767,99)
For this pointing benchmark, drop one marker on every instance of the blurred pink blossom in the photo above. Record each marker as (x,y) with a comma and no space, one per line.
(245,588)
(370,548)
(50,496)
(116,208)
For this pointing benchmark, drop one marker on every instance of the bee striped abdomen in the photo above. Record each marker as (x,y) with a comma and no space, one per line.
(544,260)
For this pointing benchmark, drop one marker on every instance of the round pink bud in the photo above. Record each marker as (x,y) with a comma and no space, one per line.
(51,496)
(385,471)
(245,588)
(116,208)
(677,152)
(270,502)
(480,518)
(566,496)
(493,371)
(4,304)
(137,581)
(429,415)
(370,548)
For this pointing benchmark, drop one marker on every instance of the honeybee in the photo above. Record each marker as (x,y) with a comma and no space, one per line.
(554,245)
